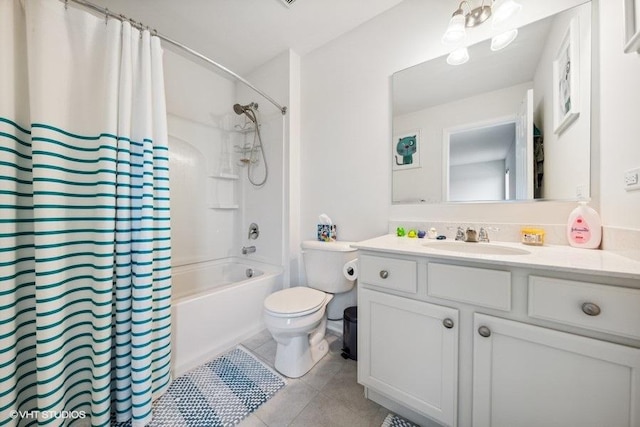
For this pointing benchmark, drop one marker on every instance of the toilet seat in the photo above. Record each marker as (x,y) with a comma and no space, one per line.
(294,302)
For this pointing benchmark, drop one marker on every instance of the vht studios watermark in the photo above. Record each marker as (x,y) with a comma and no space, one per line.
(47,415)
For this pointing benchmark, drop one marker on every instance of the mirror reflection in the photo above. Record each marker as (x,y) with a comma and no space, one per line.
(513,124)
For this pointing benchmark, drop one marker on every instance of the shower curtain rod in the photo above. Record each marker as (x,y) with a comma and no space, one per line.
(107,14)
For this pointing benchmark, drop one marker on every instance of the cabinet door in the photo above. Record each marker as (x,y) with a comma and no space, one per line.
(525,375)
(408,350)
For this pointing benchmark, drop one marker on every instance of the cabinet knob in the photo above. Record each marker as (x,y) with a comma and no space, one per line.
(590,309)
(484,331)
(448,323)
(384,274)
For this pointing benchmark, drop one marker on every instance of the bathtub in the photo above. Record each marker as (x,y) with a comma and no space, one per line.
(215,305)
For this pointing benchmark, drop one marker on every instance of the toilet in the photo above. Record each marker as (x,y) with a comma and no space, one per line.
(297,317)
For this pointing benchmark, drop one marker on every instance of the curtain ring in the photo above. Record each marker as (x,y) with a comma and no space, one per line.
(106,16)
(66,4)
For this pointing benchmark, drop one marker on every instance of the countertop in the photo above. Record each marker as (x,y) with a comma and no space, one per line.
(550,257)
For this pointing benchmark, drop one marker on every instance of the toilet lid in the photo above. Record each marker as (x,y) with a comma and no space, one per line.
(293,302)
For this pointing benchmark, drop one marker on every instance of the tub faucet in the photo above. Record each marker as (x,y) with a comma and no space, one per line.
(248,250)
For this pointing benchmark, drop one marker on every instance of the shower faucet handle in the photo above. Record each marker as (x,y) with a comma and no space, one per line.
(254,231)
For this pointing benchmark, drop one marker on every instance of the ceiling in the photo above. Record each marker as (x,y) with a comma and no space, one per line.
(244,34)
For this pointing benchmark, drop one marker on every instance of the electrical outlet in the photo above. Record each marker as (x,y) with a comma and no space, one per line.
(632,179)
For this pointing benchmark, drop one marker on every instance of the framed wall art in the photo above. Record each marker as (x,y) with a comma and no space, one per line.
(406,150)
(566,79)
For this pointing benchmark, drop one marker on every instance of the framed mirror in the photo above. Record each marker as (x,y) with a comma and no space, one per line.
(508,125)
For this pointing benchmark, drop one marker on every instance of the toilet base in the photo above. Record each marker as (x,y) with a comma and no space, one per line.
(295,359)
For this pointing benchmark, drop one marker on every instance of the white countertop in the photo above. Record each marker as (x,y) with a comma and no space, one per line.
(550,257)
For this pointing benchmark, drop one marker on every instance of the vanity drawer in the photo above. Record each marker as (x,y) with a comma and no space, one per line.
(477,286)
(391,273)
(603,308)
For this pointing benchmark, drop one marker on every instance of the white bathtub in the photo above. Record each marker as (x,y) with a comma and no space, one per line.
(215,305)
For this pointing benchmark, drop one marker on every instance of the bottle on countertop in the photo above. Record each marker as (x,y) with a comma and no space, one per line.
(584,228)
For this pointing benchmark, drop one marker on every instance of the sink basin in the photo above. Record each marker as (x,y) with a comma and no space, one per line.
(476,248)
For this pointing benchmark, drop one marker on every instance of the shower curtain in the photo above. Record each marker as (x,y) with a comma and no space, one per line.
(85,279)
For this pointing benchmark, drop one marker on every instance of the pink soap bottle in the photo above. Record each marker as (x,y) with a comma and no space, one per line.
(584,228)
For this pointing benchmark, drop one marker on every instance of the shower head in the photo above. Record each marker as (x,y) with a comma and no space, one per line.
(246,109)
(239,109)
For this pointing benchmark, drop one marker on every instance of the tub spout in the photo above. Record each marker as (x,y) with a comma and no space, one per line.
(248,250)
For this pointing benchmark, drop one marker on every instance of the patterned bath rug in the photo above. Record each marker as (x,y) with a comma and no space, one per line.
(394,420)
(219,393)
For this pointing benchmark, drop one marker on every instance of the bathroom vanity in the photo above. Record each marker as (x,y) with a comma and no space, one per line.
(485,334)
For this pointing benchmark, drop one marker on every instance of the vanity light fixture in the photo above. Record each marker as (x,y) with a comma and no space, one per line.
(501,10)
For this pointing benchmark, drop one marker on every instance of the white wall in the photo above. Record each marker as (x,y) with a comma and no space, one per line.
(620,124)
(564,153)
(346,120)
(477,181)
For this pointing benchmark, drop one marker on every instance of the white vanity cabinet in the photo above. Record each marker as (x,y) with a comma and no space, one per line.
(528,376)
(408,350)
(529,343)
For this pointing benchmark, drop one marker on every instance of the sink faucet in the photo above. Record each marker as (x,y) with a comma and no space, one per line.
(471,235)
(248,250)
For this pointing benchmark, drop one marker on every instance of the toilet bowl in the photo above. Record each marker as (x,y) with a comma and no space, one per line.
(296,318)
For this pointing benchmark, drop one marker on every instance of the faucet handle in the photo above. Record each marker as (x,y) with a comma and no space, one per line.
(483,236)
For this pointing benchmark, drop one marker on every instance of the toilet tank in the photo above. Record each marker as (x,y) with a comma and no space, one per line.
(323,263)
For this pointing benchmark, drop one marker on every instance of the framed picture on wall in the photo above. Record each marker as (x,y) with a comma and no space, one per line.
(406,150)
(631,26)
(566,79)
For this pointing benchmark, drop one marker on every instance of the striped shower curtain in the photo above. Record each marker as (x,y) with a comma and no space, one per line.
(85,279)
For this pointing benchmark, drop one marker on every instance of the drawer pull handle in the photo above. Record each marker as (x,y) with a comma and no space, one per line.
(484,331)
(590,309)
(448,323)
(384,274)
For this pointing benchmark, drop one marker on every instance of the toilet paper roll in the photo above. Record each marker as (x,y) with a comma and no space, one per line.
(350,270)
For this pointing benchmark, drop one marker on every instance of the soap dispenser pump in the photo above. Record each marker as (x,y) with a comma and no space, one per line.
(584,228)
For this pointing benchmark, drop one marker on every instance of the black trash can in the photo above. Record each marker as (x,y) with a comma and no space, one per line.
(350,334)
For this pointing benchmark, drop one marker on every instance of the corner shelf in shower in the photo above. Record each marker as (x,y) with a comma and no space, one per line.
(229,176)
(224,207)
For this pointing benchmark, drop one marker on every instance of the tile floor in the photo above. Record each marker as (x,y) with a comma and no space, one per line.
(327,396)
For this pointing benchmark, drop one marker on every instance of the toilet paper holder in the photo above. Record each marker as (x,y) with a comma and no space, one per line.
(350,270)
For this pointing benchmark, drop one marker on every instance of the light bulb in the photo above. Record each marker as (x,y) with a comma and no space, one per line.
(455,31)
(503,40)
(503,10)
(458,56)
